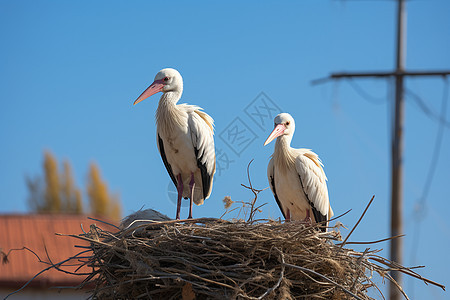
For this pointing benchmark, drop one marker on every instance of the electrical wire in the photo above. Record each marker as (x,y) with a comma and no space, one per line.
(426,110)
(420,208)
(358,89)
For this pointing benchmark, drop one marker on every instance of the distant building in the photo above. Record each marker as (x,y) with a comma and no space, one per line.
(37,233)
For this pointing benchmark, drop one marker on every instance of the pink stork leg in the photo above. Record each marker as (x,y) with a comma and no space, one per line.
(308,219)
(288,215)
(180,195)
(191,199)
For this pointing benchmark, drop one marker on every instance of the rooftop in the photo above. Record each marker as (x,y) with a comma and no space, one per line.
(37,233)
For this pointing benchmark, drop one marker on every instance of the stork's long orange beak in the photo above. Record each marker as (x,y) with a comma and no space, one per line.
(154,88)
(279,130)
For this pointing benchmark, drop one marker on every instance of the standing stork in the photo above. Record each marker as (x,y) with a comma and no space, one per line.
(296,177)
(185,139)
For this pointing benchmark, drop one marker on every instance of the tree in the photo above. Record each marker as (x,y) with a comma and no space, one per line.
(71,196)
(52,199)
(36,194)
(45,193)
(56,192)
(101,202)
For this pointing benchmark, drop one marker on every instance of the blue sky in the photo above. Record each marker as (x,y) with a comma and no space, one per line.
(70,71)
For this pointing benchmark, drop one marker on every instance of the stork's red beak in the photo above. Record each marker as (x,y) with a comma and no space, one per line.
(154,88)
(279,130)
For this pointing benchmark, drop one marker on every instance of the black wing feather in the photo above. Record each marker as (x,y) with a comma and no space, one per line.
(166,163)
(206,179)
(317,214)
(272,183)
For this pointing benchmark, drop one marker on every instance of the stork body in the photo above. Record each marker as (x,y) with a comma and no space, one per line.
(184,138)
(296,177)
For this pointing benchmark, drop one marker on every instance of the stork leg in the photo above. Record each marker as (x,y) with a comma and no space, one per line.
(180,195)
(308,219)
(191,199)
(288,215)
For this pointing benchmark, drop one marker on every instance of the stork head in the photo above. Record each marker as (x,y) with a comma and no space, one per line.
(167,80)
(284,125)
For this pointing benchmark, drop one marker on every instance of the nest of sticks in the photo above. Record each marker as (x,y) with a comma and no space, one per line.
(153,257)
(216,259)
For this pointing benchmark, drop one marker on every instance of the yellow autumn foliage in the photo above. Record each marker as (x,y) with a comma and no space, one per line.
(101,202)
(51,195)
(56,192)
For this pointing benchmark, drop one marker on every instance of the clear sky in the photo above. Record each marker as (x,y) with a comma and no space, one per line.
(70,71)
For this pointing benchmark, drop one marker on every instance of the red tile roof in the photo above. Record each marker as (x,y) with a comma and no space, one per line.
(37,232)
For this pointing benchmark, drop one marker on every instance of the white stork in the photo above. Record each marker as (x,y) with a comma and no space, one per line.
(185,139)
(296,177)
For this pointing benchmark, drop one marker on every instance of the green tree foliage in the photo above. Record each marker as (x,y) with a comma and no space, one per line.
(101,202)
(56,192)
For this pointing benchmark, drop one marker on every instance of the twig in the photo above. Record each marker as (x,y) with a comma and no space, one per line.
(5,255)
(279,279)
(324,277)
(340,216)
(227,211)
(375,242)
(253,190)
(44,270)
(169,222)
(391,279)
(104,222)
(406,271)
(360,218)
(255,193)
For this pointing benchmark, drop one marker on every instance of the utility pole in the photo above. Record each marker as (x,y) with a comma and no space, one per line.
(396,245)
(396,249)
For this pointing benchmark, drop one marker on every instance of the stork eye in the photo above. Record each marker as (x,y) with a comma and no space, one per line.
(287,123)
(166,79)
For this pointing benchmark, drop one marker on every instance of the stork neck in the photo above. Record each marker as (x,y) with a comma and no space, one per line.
(168,113)
(283,154)
(168,103)
(170,97)
(283,142)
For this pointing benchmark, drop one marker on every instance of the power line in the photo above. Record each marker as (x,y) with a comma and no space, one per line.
(426,110)
(419,208)
(399,74)
(358,89)
(437,146)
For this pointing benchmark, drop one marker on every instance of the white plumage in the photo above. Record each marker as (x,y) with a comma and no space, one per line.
(296,176)
(142,217)
(184,138)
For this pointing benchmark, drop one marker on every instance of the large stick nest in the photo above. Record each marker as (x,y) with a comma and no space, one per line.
(216,259)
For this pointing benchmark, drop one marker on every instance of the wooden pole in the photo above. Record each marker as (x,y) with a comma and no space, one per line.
(396,245)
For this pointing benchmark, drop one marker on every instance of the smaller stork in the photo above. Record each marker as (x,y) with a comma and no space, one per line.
(184,138)
(296,177)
